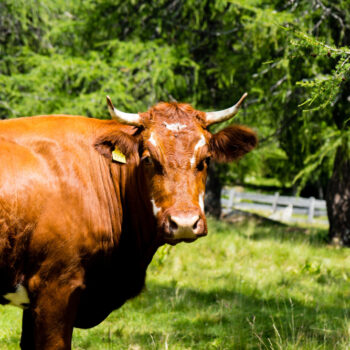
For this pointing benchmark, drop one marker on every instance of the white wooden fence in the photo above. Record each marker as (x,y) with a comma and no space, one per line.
(276,206)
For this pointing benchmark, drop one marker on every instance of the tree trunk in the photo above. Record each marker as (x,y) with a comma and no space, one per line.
(213,192)
(338,198)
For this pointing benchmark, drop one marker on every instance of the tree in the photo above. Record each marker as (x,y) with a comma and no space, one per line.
(330,91)
(315,79)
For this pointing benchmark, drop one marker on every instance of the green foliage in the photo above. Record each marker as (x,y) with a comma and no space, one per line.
(135,73)
(161,257)
(333,139)
(323,88)
(54,70)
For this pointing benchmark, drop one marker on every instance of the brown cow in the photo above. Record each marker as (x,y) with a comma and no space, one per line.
(78,226)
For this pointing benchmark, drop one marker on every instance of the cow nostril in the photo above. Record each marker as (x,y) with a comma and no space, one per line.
(196,224)
(173,225)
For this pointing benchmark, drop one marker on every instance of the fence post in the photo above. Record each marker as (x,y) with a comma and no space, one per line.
(231,196)
(311,209)
(274,203)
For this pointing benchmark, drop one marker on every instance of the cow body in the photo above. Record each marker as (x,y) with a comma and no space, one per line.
(61,216)
(77,229)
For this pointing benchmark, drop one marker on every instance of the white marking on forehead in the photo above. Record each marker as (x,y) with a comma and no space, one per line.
(19,297)
(152,140)
(175,126)
(155,208)
(201,201)
(200,143)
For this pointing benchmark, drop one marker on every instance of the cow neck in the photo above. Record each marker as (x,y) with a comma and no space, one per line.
(139,230)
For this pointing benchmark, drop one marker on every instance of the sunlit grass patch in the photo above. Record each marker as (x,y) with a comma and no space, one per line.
(10,327)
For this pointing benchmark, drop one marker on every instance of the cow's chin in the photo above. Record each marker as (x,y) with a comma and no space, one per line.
(174,241)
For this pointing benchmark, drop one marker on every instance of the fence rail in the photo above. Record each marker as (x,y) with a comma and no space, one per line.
(279,207)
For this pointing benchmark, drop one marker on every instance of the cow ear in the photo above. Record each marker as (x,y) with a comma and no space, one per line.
(232,143)
(106,144)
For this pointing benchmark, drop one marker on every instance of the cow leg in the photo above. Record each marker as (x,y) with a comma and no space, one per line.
(27,338)
(48,324)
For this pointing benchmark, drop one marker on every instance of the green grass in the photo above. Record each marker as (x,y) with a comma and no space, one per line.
(251,285)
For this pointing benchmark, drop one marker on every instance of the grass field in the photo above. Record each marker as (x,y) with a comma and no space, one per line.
(251,285)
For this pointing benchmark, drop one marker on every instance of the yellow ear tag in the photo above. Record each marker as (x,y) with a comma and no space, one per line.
(118,156)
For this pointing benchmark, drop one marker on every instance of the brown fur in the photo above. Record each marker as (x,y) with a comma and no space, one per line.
(77,229)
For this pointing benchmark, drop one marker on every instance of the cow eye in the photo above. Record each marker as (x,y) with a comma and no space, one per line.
(147,160)
(203,163)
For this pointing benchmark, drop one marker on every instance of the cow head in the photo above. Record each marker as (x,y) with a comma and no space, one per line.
(175,148)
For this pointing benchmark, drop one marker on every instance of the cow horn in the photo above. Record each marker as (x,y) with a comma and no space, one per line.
(225,114)
(122,117)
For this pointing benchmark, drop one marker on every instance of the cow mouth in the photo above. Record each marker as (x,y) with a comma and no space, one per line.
(174,241)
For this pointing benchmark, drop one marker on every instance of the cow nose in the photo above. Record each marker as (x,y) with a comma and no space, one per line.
(187,226)
(183,222)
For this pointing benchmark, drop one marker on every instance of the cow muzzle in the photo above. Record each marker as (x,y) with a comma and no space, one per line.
(184,227)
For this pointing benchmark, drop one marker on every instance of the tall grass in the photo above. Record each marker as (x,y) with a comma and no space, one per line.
(249,285)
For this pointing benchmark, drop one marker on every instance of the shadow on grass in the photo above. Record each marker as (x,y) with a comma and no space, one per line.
(235,316)
(222,318)
(183,318)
